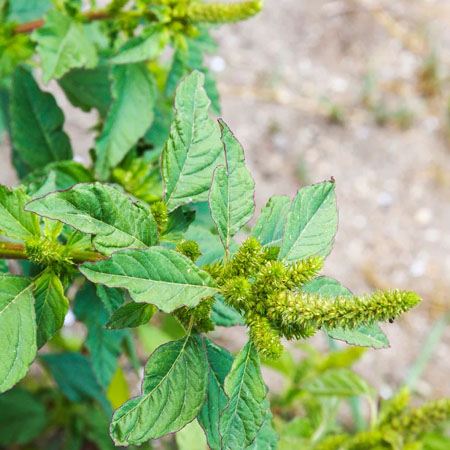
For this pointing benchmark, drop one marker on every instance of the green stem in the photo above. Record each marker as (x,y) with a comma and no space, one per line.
(13,250)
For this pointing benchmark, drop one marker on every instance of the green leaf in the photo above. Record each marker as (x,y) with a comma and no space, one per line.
(191,437)
(129,117)
(37,123)
(62,45)
(22,417)
(194,148)
(74,376)
(27,10)
(156,275)
(269,228)
(339,383)
(17,329)
(267,438)
(369,335)
(51,306)
(99,209)
(14,48)
(311,223)
(88,88)
(130,315)
(14,221)
(144,47)
(177,224)
(178,70)
(220,362)
(225,315)
(3,266)
(245,413)
(209,243)
(173,392)
(104,345)
(231,197)
(112,298)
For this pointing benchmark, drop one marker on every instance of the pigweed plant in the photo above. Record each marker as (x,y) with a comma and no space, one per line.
(147,230)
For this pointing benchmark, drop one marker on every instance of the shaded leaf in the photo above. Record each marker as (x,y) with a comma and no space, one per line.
(17,329)
(173,392)
(231,197)
(51,306)
(130,315)
(37,123)
(99,209)
(14,221)
(129,117)
(112,298)
(267,438)
(62,45)
(191,437)
(27,10)
(311,223)
(156,275)
(269,228)
(220,362)
(225,315)
(245,413)
(194,148)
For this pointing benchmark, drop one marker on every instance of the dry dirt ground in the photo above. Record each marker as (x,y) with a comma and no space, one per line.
(284,78)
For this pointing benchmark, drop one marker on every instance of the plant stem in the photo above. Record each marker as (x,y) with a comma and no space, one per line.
(13,250)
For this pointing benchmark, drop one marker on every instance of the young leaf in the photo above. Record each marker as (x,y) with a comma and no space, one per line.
(37,123)
(88,88)
(144,47)
(103,345)
(191,437)
(51,306)
(220,362)
(17,329)
(99,209)
(267,438)
(129,117)
(339,383)
(130,315)
(156,275)
(62,45)
(231,197)
(14,221)
(245,413)
(311,223)
(269,228)
(22,417)
(194,148)
(73,375)
(173,392)
(369,335)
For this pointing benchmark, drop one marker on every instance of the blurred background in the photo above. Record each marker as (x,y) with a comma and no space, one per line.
(358,90)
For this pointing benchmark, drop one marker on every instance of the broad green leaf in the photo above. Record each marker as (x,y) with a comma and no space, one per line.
(22,417)
(14,221)
(27,10)
(369,335)
(144,47)
(178,70)
(37,123)
(130,315)
(104,345)
(231,197)
(129,117)
(17,329)
(220,362)
(339,383)
(14,49)
(74,376)
(194,148)
(51,306)
(269,228)
(95,430)
(62,45)
(112,298)
(156,275)
(311,223)
(191,437)
(99,209)
(267,438)
(225,315)
(173,392)
(88,88)
(245,413)
(209,243)
(177,224)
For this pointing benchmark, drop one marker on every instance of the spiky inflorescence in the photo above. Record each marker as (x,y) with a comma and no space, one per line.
(48,252)
(159,212)
(200,313)
(265,338)
(223,12)
(312,310)
(189,249)
(394,406)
